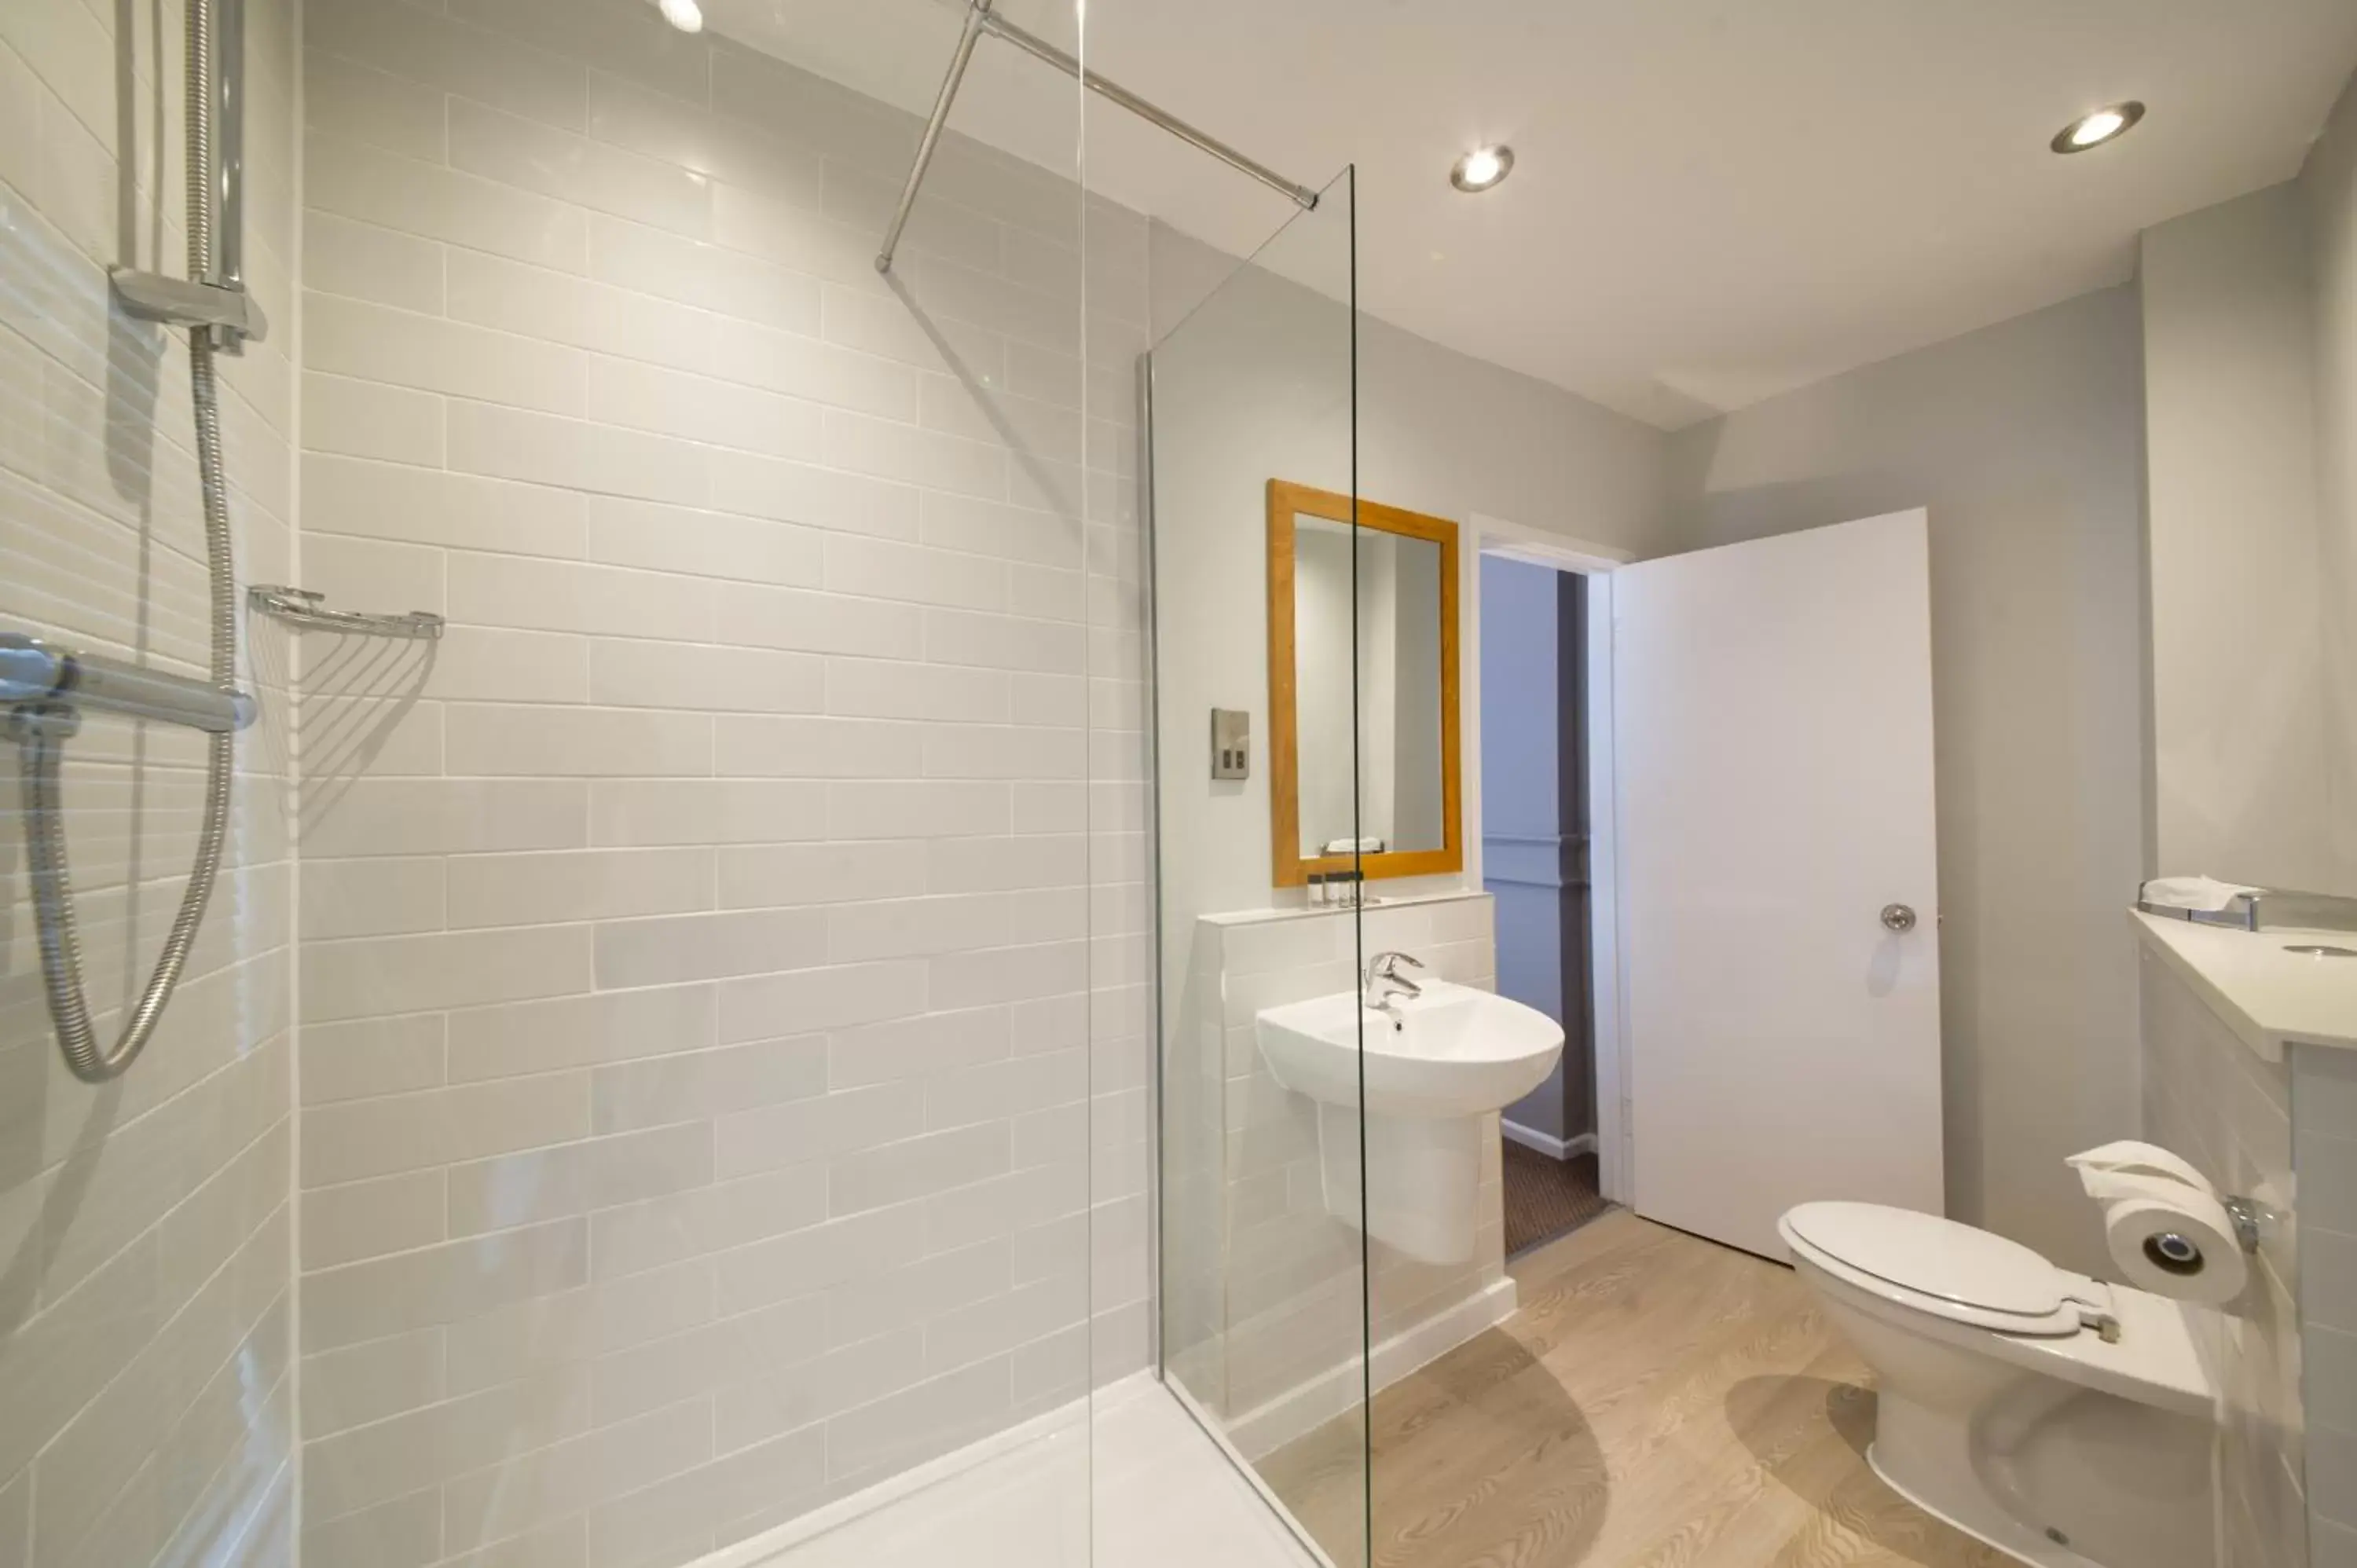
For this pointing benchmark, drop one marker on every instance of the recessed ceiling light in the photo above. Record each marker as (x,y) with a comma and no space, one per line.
(2108,124)
(1482,167)
(684,14)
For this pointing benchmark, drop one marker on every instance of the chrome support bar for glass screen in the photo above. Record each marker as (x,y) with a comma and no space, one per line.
(1301,196)
(979,19)
(42,675)
(976,12)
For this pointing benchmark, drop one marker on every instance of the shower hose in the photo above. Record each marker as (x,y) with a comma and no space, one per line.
(41,731)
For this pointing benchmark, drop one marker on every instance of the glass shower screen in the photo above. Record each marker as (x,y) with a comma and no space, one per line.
(1263,1272)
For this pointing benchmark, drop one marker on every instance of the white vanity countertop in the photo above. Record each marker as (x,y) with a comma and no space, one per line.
(2269,998)
(1383,901)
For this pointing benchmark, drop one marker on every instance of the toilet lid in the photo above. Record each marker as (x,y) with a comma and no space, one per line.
(1934,1257)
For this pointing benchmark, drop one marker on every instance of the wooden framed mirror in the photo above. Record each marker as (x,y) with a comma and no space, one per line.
(1363,626)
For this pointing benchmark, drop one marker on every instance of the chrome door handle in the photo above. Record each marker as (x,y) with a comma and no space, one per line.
(1898,917)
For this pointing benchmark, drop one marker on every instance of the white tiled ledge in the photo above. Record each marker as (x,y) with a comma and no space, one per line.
(1301,912)
(2268,997)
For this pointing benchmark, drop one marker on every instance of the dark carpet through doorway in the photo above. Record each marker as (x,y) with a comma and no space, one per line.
(1546,1197)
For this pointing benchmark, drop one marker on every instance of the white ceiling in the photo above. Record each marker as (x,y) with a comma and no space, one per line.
(1713,201)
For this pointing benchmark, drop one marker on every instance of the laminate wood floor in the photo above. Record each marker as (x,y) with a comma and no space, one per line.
(1658,1402)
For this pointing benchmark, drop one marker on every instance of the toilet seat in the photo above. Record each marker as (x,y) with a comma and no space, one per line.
(1947,1270)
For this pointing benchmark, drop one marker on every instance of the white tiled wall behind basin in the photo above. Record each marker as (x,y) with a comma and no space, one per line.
(1265,1284)
(2324,1153)
(2208,1097)
(723,1069)
(146,1406)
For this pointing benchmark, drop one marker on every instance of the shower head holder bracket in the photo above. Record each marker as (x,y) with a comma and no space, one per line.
(227,309)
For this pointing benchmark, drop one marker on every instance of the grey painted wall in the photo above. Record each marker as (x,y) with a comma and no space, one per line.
(1257,383)
(2239,753)
(2329,192)
(2325,1154)
(1525,813)
(2023,441)
(1444,433)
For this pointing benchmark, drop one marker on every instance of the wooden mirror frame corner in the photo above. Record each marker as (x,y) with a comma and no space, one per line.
(1289,866)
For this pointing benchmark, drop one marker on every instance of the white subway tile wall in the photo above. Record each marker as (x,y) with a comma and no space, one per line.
(2324,1153)
(725,1061)
(146,1409)
(2209,1098)
(1265,1284)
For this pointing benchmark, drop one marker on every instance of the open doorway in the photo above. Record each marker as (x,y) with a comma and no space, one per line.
(1537,828)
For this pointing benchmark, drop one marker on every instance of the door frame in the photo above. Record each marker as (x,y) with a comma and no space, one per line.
(1485,535)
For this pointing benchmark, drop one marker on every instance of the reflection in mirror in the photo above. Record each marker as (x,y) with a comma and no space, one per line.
(1394,638)
(1361,629)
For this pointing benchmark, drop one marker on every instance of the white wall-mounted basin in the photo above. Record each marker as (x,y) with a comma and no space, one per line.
(1453,1051)
(1431,1072)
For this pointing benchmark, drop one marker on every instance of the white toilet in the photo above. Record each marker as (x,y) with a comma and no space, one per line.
(2065,1421)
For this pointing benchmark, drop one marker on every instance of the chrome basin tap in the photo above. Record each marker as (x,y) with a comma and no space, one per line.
(1383,985)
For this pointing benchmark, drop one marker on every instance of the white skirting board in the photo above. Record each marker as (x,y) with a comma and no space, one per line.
(1553,1148)
(1300,1411)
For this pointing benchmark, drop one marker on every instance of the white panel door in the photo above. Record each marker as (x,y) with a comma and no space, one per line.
(1773,717)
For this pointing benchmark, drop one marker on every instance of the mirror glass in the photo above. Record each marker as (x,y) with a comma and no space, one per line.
(1382,612)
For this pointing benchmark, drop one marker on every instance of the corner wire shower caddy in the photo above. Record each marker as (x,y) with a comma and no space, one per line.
(306,611)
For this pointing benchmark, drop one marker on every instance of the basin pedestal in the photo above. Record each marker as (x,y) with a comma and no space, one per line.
(1423,1179)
